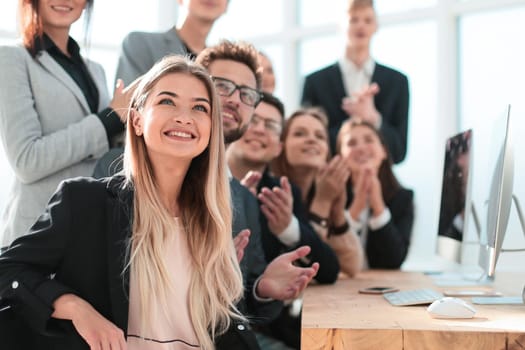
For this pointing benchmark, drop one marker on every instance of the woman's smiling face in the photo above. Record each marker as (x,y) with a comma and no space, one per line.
(362,147)
(306,144)
(176,118)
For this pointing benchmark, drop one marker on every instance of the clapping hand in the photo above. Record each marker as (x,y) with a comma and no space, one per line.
(240,242)
(361,105)
(282,280)
(251,180)
(277,206)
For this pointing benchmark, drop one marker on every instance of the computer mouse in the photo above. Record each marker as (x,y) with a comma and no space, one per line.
(449,307)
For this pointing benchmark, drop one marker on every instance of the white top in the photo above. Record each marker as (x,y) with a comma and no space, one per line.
(355,78)
(177,258)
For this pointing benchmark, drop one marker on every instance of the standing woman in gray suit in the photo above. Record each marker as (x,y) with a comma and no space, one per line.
(56,117)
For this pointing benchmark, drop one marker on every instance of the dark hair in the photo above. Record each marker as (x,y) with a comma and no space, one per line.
(280,165)
(389,183)
(273,101)
(241,52)
(31,26)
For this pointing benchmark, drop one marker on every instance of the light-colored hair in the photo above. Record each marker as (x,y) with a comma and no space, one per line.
(206,217)
(359,4)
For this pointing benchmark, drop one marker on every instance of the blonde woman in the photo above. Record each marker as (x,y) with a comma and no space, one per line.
(143,260)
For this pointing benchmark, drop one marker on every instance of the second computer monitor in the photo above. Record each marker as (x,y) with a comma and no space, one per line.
(455,195)
(499,196)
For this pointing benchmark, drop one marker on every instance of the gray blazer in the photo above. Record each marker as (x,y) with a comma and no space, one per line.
(141,50)
(46,130)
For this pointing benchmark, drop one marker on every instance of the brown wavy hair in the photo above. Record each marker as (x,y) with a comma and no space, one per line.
(241,52)
(280,165)
(389,183)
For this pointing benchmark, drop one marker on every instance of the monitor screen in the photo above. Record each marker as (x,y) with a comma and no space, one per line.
(455,195)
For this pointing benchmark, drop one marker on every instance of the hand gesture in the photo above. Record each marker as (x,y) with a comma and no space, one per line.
(361,192)
(240,242)
(97,331)
(122,98)
(377,204)
(361,105)
(277,206)
(282,280)
(251,180)
(331,180)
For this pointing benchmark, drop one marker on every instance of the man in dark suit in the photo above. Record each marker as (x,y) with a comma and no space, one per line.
(235,70)
(357,86)
(284,222)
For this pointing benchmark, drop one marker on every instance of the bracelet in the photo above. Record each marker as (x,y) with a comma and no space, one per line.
(338,230)
(323,222)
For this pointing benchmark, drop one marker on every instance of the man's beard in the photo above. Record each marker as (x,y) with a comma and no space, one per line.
(234,134)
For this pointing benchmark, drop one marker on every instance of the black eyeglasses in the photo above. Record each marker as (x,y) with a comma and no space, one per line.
(269,124)
(225,87)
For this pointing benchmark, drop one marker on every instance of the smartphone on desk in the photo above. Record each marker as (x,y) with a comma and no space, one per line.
(377,290)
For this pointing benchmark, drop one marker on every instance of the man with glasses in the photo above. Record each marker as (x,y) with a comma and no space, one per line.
(235,70)
(284,221)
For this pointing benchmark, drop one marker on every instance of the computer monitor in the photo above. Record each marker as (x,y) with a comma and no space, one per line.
(455,195)
(500,195)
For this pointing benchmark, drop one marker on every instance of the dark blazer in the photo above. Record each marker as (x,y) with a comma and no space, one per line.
(82,241)
(325,88)
(246,214)
(387,247)
(321,252)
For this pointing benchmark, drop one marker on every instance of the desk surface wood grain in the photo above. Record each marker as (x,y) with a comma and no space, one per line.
(338,317)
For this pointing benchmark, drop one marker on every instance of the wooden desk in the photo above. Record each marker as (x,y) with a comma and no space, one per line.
(338,317)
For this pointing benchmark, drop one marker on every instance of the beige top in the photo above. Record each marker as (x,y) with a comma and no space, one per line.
(180,335)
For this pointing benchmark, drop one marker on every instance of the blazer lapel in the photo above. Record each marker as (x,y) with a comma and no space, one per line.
(57,71)
(172,43)
(337,80)
(118,209)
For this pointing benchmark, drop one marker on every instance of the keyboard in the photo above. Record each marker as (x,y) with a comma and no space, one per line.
(413,297)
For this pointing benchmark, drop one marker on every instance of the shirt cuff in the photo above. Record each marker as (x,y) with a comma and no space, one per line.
(380,220)
(355,225)
(379,121)
(258,298)
(291,234)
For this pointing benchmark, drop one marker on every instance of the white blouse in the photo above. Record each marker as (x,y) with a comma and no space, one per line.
(175,330)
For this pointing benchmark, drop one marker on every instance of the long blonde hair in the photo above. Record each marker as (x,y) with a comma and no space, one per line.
(206,217)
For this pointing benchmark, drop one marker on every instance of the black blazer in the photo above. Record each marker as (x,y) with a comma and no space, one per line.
(81,240)
(320,251)
(387,247)
(246,214)
(325,88)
